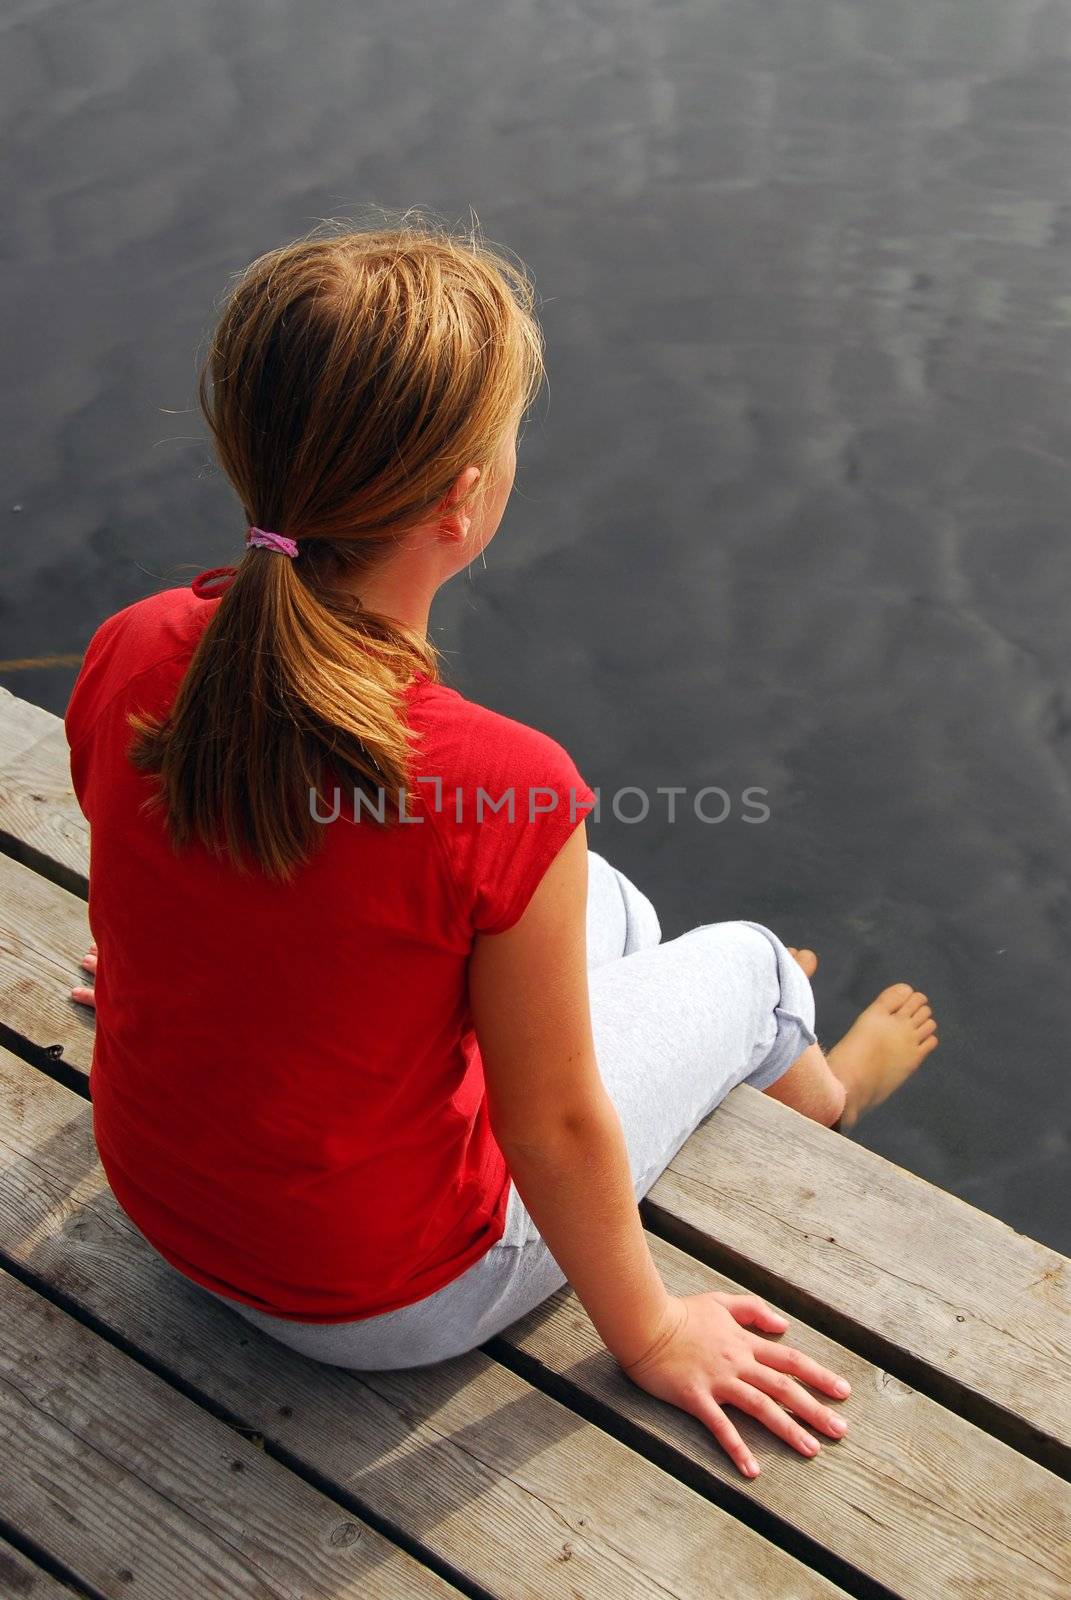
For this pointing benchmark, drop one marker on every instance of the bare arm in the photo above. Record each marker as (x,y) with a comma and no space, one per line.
(554,1121)
(563,1141)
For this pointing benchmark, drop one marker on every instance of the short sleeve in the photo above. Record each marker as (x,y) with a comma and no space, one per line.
(508,821)
(92,685)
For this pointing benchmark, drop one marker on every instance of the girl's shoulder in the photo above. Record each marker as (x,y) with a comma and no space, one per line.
(157,632)
(158,623)
(504,795)
(467,741)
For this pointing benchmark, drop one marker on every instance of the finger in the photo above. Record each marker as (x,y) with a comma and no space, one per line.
(780,1387)
(783,1358)
(707,1409)
(751,1311)
(765,1410)
(84,997)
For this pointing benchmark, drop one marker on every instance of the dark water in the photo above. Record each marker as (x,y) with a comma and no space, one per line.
(793,512)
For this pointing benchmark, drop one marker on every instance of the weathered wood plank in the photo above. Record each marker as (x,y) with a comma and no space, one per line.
(998,1524)
(44,933)
(902,1271)
(20,1579)
(499,1480)
(137,1490)
(40,822)
(883,1260)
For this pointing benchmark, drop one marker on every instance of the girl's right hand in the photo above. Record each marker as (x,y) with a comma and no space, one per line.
(707,1357)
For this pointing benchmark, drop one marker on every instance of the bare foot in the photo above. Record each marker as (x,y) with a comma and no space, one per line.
(806,958)
(884,1045)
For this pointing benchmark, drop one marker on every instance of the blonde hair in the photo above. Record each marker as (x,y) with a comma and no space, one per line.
(351,378)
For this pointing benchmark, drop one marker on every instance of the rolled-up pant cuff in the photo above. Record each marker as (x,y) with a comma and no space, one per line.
(794,1013)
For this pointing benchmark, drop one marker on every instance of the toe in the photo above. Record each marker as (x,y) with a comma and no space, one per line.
(913,1004)
(927,1029)
(804,958)
(928,1045)
(892,998)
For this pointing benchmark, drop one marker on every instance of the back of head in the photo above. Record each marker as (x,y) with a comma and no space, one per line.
(351,378)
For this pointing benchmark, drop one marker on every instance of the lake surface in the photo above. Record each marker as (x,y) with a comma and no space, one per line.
(792,513)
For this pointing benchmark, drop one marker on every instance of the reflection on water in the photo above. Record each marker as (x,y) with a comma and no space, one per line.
(793,511)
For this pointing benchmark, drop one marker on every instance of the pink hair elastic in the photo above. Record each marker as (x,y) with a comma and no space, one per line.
(271,541)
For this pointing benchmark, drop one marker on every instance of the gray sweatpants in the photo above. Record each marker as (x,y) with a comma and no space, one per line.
(676,1026)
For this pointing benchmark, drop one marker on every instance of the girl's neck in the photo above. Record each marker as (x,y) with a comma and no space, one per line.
(404,586)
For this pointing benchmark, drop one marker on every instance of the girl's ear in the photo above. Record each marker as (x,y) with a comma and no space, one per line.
(454,525)
(455,529)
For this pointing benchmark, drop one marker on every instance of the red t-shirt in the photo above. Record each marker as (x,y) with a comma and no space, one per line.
(288,1096)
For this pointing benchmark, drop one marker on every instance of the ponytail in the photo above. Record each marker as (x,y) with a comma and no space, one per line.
(283,685)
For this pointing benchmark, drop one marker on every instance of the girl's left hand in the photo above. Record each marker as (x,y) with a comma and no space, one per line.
(82,993)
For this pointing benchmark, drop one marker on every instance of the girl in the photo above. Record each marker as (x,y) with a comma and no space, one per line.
(384,1053)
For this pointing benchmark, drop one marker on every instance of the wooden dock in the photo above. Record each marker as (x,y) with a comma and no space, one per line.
(155,1447)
